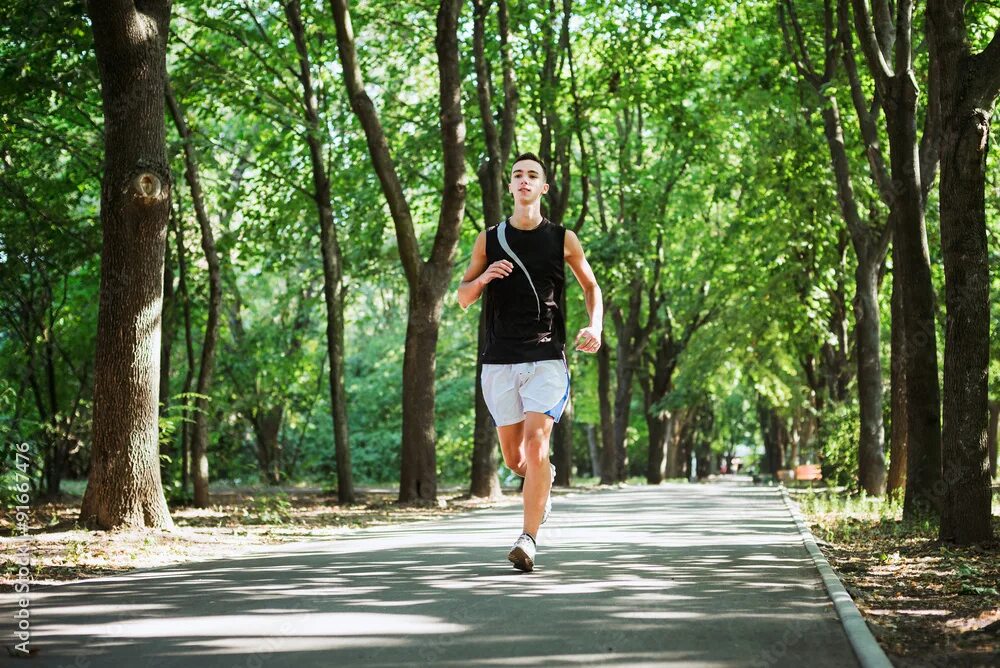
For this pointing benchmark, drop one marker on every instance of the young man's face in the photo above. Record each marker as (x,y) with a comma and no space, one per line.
(527,182)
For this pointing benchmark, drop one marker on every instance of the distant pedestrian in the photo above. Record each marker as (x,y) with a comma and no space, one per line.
(519,264)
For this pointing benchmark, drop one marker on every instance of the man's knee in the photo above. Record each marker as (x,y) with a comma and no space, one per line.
(518,466)
(536,448)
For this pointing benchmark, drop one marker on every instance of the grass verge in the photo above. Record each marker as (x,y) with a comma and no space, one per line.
(928,603)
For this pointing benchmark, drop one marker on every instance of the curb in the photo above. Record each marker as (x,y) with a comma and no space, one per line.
(870,654)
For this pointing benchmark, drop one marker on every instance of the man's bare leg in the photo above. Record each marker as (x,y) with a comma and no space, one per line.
(525,448)
(538,476)
(512,446)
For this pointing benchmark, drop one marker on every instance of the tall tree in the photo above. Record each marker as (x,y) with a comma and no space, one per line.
(333,284)
(428,280)
(124,487)
(886,42)
(870,241)
(491,180)
(967,87)
(199,433)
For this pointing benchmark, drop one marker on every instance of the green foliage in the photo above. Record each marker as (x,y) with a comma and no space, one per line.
(707,178)
(268,509)
(839,444)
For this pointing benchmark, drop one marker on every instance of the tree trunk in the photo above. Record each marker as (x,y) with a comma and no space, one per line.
(199,450)
(333,286)
(418,473)
(594,450)
(674,450)
(868,247)
(623,405)
(169,326)
(428,281)
(562,445)
(124,487)
(910,233)
(968,89)
(991,435)
(772,428)
(630,343)
(897,448)
(659,436)
(185,296)
(867,330)
(267,427)
(609,473)
(903,189)
(562,435)
(485,481)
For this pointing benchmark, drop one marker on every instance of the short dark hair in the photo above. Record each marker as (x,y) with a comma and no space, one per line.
(530,156)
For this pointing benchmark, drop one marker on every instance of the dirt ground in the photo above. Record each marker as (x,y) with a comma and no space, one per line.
(928,603)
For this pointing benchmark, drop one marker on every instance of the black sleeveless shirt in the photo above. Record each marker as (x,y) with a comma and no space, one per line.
(524,318)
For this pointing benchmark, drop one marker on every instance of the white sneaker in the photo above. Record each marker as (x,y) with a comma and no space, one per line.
(548,499)
(522,555)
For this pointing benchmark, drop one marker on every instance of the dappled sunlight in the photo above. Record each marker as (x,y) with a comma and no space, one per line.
(631,576)
(261,624)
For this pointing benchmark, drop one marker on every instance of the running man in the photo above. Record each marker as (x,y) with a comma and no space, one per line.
(520,266)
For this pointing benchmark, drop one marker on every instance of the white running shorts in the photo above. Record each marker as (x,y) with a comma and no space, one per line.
(511,390)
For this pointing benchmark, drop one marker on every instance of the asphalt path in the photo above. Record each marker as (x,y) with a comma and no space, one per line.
(680,574)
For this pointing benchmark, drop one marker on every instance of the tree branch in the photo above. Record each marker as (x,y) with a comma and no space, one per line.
(866,119)
(904,36)
(877,64)
(452,140)
(796,50)
(378,147)
(510,97)
(987,62)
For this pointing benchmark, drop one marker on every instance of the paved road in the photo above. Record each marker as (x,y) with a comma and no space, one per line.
(686,575)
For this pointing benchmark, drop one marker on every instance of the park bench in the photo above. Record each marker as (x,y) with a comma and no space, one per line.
(808,472)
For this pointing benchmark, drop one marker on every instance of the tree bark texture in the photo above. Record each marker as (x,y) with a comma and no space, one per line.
(992,436)
(660,423)
(168,328)
(562,436)
(267,428)
(199,441)
(897,447)
(609,473)
(968,87)
(920,337)
(428,280)
(869,243)
(485,481)
(674,464)
(867,330)
(185,300)
(886,42)
(594,450)
(333,285)
(124,488)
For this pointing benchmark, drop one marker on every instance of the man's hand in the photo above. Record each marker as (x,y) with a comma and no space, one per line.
(588,340)
(499,269)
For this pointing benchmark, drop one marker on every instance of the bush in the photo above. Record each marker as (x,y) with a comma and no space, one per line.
(838,436)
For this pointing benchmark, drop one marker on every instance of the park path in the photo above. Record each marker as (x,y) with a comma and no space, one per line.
(680,574)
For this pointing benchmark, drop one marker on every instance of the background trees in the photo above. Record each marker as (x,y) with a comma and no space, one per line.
(729,181)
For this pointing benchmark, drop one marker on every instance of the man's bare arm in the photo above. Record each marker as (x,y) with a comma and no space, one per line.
(476,279)
(588,339)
